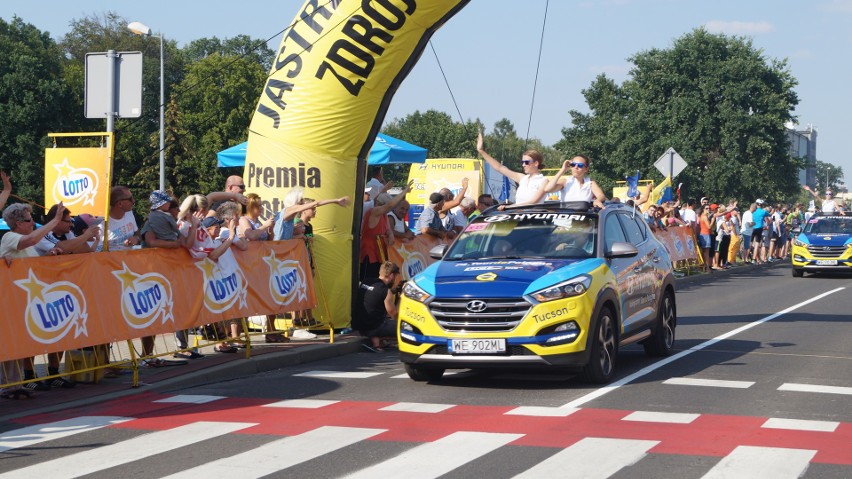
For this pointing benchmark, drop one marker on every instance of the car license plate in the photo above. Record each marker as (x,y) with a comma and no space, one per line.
(826,262)
(477,346)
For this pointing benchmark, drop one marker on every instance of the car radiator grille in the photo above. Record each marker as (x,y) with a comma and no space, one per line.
(497,314)
(826,251)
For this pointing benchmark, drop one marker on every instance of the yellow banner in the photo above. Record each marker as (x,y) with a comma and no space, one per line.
(78,177)
(448,173)
(338,65)
(67,302)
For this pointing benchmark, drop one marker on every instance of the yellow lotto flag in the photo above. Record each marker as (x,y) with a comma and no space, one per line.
(332,79)
(78,177)
(657,193)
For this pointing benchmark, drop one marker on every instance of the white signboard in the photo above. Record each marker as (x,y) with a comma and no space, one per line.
(670,164)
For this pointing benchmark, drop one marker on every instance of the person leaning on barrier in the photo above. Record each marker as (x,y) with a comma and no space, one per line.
(20,242)
(63,238)
(235,189)
(122,230)
(377,320)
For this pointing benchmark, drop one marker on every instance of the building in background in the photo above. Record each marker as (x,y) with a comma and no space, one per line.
(803,144)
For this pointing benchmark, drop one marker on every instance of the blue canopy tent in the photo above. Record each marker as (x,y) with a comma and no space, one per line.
(385,150)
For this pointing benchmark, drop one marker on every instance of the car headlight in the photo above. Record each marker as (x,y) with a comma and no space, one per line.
(412,291)
(573,287)
(796,242)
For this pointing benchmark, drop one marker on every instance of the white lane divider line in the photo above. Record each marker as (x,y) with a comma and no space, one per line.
(302,403)
(190,399)
(591,458)
(653,367)
(762,463)
(715,383)
(800,424)
(661,417)
(280,454)
(140,447)
(31,435)
(815,388)
(542,411)
(338,374)
(417,407)
(434,459)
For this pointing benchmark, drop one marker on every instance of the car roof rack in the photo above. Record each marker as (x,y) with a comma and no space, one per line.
(578,206)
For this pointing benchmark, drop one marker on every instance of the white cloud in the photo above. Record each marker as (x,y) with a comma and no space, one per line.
(837,6)
(738,28)
(801,54)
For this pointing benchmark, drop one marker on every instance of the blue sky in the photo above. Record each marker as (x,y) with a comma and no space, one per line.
(489,50)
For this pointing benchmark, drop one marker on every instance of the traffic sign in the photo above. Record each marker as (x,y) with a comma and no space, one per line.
(670,164)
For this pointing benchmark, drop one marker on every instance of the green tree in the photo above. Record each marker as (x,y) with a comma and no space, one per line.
(34,100)
(212,110)
(828,176)
(716,99)
(238,46)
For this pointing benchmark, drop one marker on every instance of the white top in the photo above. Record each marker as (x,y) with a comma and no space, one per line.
(459,219)
(120,230)
(829,206)
(574,191)
(748,223)
(377,188)
(398,224)
(9,246)
(689,216)
(528,188)
(50,241)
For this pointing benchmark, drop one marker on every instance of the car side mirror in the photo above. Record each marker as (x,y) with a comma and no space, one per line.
(621,249)
(438,251)
(796,230)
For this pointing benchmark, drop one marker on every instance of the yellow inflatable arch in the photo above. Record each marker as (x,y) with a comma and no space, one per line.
(339,64)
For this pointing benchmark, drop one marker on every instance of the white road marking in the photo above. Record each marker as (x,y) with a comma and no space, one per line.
(653,367)
(663,417)
(437,458)
(280,454)
(446,373)
(302,403)
(140,447)
(30,435)
(591,458)
(715,383)
(191,399)
(800,424)
(762,462)
(417,407)
(815,388)
(338,374)
(542,411)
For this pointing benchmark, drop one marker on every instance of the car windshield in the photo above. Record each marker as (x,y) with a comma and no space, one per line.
(824,225)
(527,235)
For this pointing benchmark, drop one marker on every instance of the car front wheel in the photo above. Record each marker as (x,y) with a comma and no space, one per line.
(798,273)
(601,366)
(421,373)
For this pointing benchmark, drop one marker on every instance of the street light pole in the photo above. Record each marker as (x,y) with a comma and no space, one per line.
(141,29)
(162,123)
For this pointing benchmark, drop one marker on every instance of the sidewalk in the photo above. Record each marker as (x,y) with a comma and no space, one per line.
(215,367)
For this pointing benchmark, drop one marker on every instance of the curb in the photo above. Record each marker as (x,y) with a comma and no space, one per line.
(221,372)
(701,278)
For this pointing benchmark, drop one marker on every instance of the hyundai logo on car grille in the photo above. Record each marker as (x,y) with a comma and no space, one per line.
(477,306)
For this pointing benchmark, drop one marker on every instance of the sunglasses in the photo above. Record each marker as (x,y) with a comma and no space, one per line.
(242,187)
(577,165)
(28,220)
(526,162)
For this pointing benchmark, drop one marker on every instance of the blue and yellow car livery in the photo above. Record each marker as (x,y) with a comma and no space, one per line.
(823,244)
(536,305)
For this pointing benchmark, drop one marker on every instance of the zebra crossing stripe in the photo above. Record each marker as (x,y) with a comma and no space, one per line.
(281,454)
(140,447)
(800,424)
(418,407)
(190,399)
(437,458)
(762,463)
(590,458)
(302,403)
(338,374)
(28,436)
